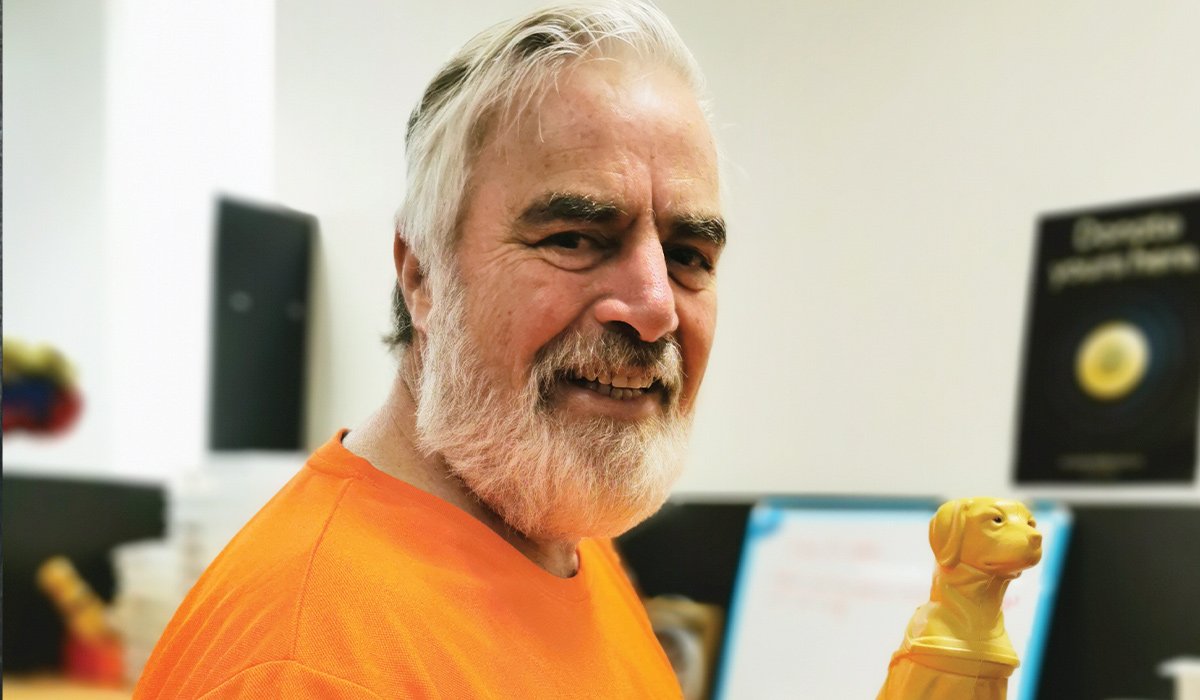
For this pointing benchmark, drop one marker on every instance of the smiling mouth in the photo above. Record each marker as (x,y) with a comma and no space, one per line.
(622,387)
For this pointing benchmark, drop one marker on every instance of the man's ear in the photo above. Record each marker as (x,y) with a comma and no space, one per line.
(413,284)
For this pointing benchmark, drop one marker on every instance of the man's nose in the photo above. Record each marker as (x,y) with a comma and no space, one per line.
(639,292)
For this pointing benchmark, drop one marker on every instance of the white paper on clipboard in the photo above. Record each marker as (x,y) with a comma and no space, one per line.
(824,593)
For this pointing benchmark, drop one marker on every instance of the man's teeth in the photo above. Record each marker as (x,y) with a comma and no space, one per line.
(618,381)
(613,392)
(617,386)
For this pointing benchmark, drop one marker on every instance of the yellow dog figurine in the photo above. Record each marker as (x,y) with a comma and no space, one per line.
(955,647)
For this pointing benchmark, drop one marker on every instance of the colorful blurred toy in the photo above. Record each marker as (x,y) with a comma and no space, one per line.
(956,646)
(40,393)
(92,649)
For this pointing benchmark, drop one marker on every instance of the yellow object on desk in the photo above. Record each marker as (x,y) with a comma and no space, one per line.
(956,645)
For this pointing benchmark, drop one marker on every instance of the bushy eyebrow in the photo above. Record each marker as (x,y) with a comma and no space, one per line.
(576,208)
(705,228)
(579,208)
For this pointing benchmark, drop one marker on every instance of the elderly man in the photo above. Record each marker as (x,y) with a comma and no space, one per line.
(555,306)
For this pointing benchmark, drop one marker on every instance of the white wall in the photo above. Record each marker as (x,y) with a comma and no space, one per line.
(125,119)
(54,281)
(190,116)
(895,158)
(888,165)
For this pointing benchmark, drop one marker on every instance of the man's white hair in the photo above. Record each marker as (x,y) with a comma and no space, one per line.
(486,86)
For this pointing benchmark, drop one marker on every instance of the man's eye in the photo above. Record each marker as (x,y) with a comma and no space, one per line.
(572,250)
(568,240)
(688,257)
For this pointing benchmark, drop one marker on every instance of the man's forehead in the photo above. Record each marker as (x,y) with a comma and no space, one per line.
(608,144)
(593,105)
(628,87)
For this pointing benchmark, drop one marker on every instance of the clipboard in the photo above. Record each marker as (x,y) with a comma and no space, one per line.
(826,587)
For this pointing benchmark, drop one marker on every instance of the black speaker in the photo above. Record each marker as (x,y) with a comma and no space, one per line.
(260,321)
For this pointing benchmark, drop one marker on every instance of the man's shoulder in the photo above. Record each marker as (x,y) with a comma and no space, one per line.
(277,679)
(281,585)
(319,534)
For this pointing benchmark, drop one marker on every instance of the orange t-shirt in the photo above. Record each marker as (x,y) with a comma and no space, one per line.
(353,584)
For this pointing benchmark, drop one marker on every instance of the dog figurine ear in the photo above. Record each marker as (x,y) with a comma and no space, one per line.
(946,531)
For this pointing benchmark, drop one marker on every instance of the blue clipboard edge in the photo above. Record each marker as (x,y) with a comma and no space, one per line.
(767,514)
(764,517)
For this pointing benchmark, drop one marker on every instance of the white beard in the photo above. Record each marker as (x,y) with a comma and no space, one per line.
(549,476)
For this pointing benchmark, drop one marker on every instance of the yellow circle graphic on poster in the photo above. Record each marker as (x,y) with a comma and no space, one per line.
(1112,360)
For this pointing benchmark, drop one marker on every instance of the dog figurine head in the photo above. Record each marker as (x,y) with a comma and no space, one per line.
(995,536)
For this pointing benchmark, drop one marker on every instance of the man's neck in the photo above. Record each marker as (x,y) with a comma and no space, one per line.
(388,441)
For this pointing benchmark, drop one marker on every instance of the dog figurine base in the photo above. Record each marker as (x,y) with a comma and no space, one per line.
(955,646)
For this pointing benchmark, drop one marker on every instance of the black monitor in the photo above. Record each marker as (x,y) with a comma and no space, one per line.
(1129,599)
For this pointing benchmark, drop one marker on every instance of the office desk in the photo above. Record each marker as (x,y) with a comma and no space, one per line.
(54,688)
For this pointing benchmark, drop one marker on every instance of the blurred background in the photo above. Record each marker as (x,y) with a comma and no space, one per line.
(886,167)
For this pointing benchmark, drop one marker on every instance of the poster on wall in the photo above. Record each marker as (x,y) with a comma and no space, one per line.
(1111,384)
